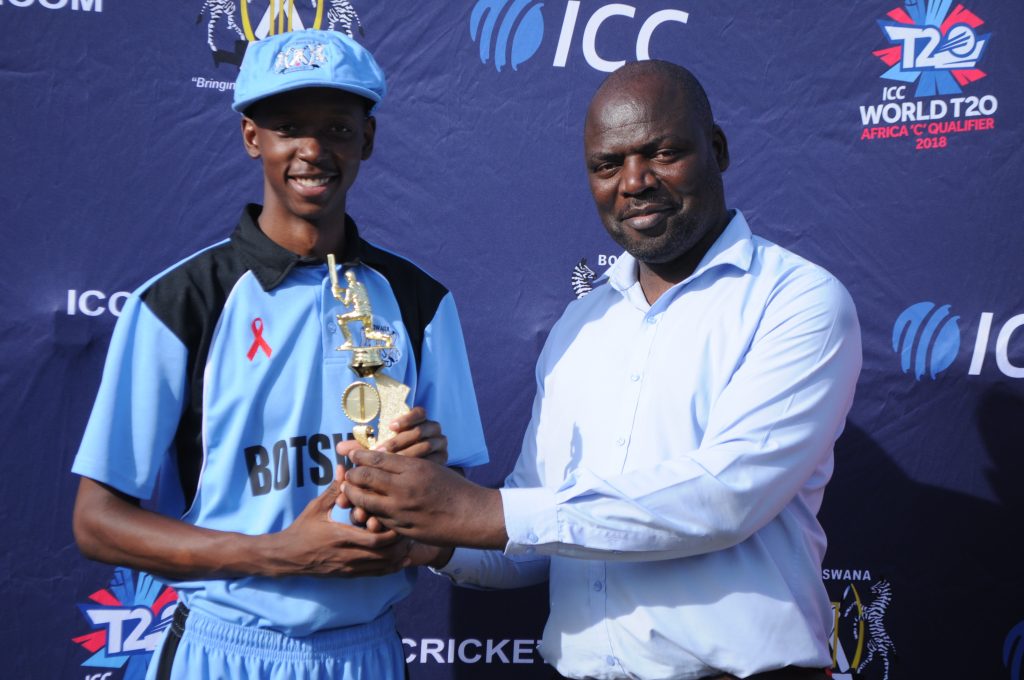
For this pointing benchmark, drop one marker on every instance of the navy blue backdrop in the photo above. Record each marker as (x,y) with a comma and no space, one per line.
(881,139)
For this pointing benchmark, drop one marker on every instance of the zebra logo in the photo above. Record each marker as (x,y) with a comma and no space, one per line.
(859,626)
(582,278)
(879,644)
(250,20)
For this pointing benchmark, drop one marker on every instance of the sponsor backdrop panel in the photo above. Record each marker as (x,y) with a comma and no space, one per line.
(881,139)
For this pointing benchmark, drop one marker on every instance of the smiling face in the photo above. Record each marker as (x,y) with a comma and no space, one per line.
(311,142)
(654,160)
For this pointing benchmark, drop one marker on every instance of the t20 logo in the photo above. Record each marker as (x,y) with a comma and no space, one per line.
(128,619)
(926,48)
(937,48)
(130,630)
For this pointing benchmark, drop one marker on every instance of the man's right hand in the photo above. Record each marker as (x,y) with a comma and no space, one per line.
(415,437)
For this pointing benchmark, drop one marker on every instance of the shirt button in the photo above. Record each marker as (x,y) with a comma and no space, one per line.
(620,441)
(634,377)
(652,320)
(531,537)
(610,660)
(598,586)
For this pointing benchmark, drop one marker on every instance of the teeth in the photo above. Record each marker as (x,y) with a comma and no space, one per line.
(312,181)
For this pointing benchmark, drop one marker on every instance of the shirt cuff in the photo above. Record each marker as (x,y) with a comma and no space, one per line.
(463,564)
(531,519)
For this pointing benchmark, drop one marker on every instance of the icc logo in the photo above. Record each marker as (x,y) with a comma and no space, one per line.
(508,47)
(927,340)
(937,48)
(1013,651)
(511,31)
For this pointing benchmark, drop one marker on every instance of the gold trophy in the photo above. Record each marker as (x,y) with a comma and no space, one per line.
(377,395)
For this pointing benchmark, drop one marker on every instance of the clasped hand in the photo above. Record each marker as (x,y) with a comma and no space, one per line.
(317,544)
(416,498)
(415,438)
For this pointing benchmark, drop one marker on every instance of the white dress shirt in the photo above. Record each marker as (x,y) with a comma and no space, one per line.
(674,465)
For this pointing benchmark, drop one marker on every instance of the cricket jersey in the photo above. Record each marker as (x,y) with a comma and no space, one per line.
(220,404)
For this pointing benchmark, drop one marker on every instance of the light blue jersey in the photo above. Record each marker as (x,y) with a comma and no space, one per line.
(221,402)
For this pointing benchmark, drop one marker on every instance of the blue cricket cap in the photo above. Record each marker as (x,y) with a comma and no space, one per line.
(310,58)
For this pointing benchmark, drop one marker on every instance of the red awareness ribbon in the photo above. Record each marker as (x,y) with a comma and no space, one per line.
(258,341)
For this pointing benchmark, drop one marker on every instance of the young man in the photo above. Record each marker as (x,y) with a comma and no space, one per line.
(682,431)
(220,400)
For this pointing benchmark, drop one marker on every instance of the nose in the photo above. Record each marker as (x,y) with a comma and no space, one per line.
(637,176)
(311,148)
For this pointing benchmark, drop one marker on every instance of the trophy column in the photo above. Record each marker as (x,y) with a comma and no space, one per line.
(377,398)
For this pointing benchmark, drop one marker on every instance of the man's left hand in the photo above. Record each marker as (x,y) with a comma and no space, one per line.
(424,501)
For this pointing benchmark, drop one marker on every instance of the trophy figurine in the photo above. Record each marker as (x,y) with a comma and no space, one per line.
(376,396)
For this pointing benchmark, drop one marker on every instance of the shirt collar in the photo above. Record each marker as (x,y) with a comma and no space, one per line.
(269,262)
(733,247)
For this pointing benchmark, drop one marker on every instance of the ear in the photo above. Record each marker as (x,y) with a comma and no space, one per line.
(252,146)
(720,146)
(369,131)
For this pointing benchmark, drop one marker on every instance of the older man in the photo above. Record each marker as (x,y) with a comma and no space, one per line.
(682,431)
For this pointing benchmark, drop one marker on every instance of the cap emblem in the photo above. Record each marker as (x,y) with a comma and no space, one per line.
(300,58)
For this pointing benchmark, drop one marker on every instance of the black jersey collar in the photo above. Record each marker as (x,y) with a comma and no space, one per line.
(269,262)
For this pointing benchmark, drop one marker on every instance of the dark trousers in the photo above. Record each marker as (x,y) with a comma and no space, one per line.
(787,673)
